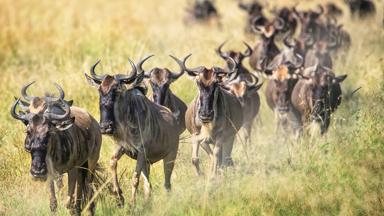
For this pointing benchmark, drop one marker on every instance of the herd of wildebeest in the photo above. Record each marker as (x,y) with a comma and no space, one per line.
(302,88)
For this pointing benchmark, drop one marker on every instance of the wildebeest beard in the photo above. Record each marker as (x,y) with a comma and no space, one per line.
(136,118)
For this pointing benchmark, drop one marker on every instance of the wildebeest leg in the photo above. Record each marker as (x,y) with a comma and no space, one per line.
(59,182)
(52,199)
(227,146)
(72,178)
(79,190)
(217,151)
(140,164)
(92,163)
(147,184)
(195,154)
(169,163)
(116,187)
(247,133)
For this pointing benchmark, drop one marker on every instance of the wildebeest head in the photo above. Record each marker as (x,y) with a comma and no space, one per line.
(208,82)
(284,76)
(321,81)
(237,56)
(40,127)
(268,29)
(242,88)
(161,78)
(309,19)
(203,9)
(110,88)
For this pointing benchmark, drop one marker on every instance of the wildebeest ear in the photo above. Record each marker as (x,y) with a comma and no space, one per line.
(91,81)
(64,125)
(340,79)
(70,102)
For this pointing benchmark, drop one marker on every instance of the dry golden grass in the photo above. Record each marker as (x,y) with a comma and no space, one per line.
(339,174)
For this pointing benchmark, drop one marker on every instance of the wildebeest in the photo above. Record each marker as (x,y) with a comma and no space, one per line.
(160,80)
(61,139)
(244,87)
(247,93)
(213,117)
(320,54)
(317,95)
(361,8)
(202,11)
(288,18)
(279,89)
(266,49)
(253,9)
(143,130)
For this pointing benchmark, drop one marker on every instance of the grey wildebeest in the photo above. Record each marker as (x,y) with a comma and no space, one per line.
(143,130)
(244,87)
(61,139)
(247,93)
(160,80)
(285,74)
(317,95)
(213,117)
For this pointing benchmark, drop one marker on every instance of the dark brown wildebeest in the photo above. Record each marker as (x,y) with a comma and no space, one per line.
(202,11)
(213,117)
(278,92)
(246,93)
(143,130)
(253,9)
(160,80)
(238,57)
(316,96)
(332,10)
(61,139)
(266,49)
(289,20)
(361,8)
(244,87)
(320,54)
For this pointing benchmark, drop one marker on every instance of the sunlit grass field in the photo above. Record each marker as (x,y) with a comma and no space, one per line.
(341,173)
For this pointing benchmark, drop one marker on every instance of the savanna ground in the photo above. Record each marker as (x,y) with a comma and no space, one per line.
(338,174)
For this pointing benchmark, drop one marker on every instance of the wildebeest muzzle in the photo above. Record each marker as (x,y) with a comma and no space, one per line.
(39,169)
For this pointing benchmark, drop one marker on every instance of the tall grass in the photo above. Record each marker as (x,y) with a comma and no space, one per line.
(338,174)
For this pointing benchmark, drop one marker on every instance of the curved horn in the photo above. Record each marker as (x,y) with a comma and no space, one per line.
(128,78)
(300,61)
(235,65)
(220,52)
(15,115)
(61,91)
(192,71)
(53,116)
(139,65)
(321,10)
(255,28)
(255,80)
(181,64)
(248,51)
(279,23)
(94,75)
(24,92)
